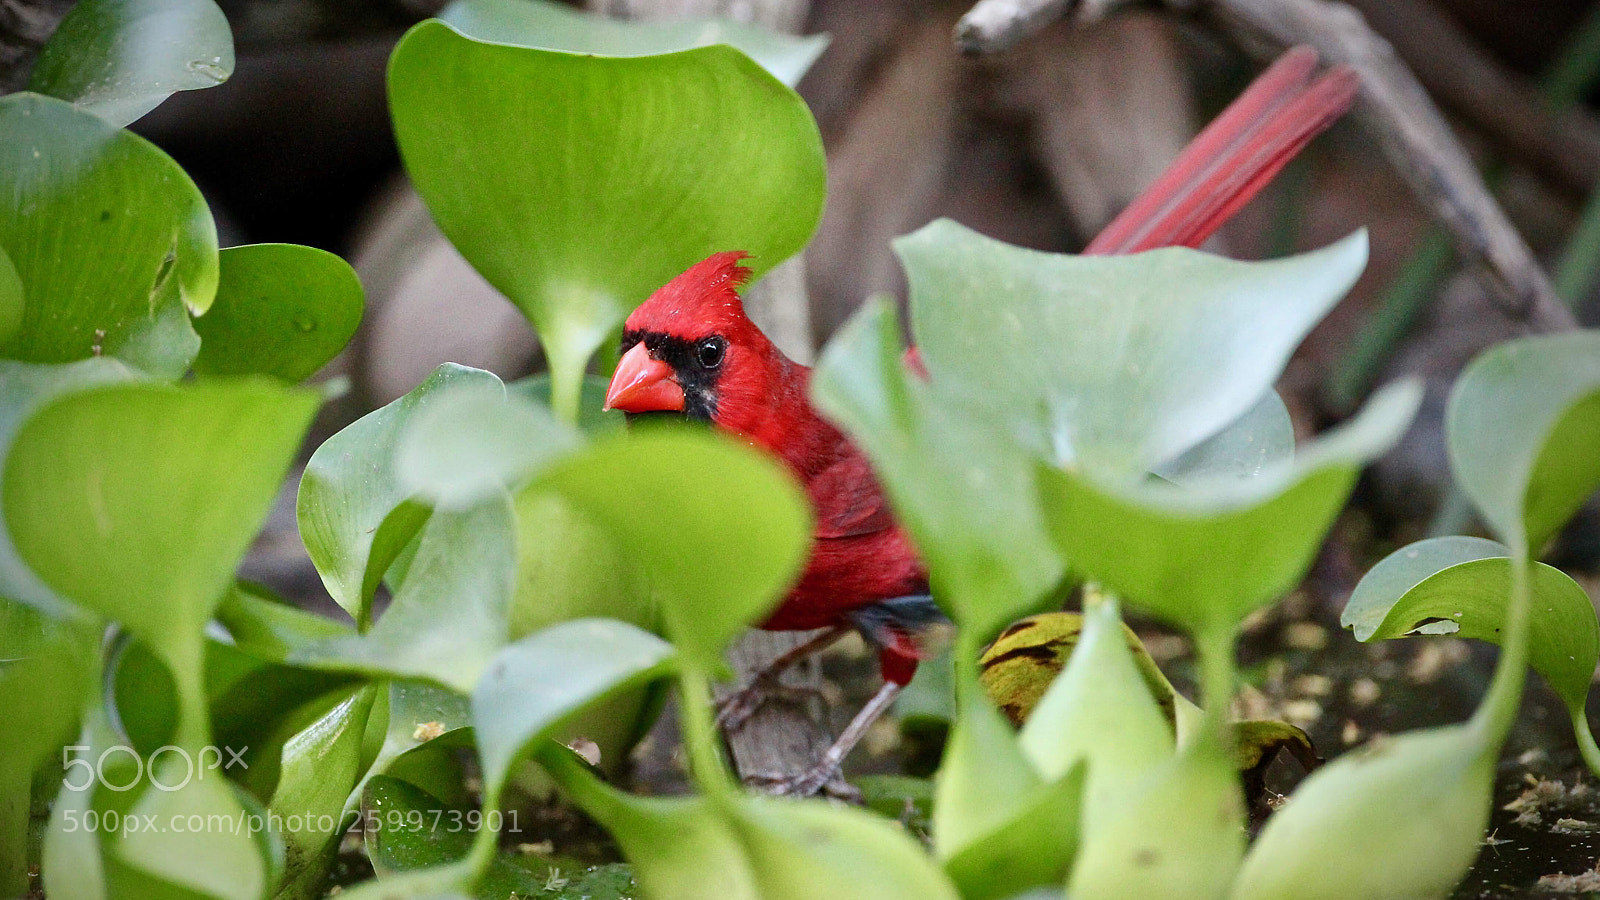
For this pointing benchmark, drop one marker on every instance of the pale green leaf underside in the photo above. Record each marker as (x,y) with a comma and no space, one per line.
(1521,428)
(120,58)
(1462,585)
(553,26)
(1117,363)
(1207,554)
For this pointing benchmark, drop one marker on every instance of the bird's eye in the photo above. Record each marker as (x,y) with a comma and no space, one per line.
(710,352)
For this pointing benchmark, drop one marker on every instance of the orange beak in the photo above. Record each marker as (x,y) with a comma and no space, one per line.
(643,384)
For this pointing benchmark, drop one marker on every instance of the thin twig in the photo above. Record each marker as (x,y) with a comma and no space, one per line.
(1414,136)
(1507,107)
(1409,128)
(994,25)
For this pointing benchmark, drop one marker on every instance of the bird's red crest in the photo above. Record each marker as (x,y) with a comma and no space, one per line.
(705,295)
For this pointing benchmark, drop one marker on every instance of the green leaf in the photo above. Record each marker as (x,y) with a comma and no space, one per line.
(1178,834)
(966,494)
(1521,427)
(28,387)
(536,682)
(138,501)
(271,629)
(107,234)
(1117,364)
(281,309)
(320,766)
(984,781)
(1034,848)
(352,508)
(221,861)
(593,418)
(1397,818)
(552,26)
(1100,711)
(475,441)
(751,848)
(120,58)
(421,715)
(569,567)
(542,166)
(1205,555)
(10,300)
(449,618)
(413,830)
(1459,586)
(670,497)
(45,668)
(1261,438)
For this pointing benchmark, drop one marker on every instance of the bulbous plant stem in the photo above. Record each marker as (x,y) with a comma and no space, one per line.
(1214,652)
(700,737)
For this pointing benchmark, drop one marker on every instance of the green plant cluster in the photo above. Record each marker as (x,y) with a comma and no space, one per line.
(1106,419)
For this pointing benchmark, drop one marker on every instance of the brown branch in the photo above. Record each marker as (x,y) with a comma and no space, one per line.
(1414,136)
(997,24)
(1410,129)
(1505,105)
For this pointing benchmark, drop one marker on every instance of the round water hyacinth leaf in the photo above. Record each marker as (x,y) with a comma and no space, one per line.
(577,185)
(218,862)
(139,500)
(1114,363)
(721,528)
(1180,833)
(750,848)
(536,682)
(355,513)
(1262,437)
(449,617)
(1101,711)
(476,441)
(1521,426)
(554,26)
(1342,836)
(120,58)
(110,239)
(27,388)
(1204,556)
(1035,848)
(964,491)
(320,766)
(1459,586)
(281,309)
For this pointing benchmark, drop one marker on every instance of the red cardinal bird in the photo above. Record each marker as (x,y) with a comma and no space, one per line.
(690,349)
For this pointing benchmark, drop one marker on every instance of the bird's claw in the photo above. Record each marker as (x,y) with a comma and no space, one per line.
(821,779)
(736,708)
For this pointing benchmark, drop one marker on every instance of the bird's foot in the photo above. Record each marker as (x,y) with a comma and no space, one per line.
(824,779)
(736,708)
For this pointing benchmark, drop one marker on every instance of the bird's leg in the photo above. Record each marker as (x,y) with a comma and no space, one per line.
(824,773)
(736,708)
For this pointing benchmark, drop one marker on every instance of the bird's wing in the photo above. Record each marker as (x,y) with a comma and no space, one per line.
(847,499)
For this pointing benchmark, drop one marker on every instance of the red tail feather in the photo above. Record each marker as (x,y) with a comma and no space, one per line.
(1234,157)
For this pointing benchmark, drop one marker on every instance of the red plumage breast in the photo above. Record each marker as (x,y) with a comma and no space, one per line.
(846,573)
